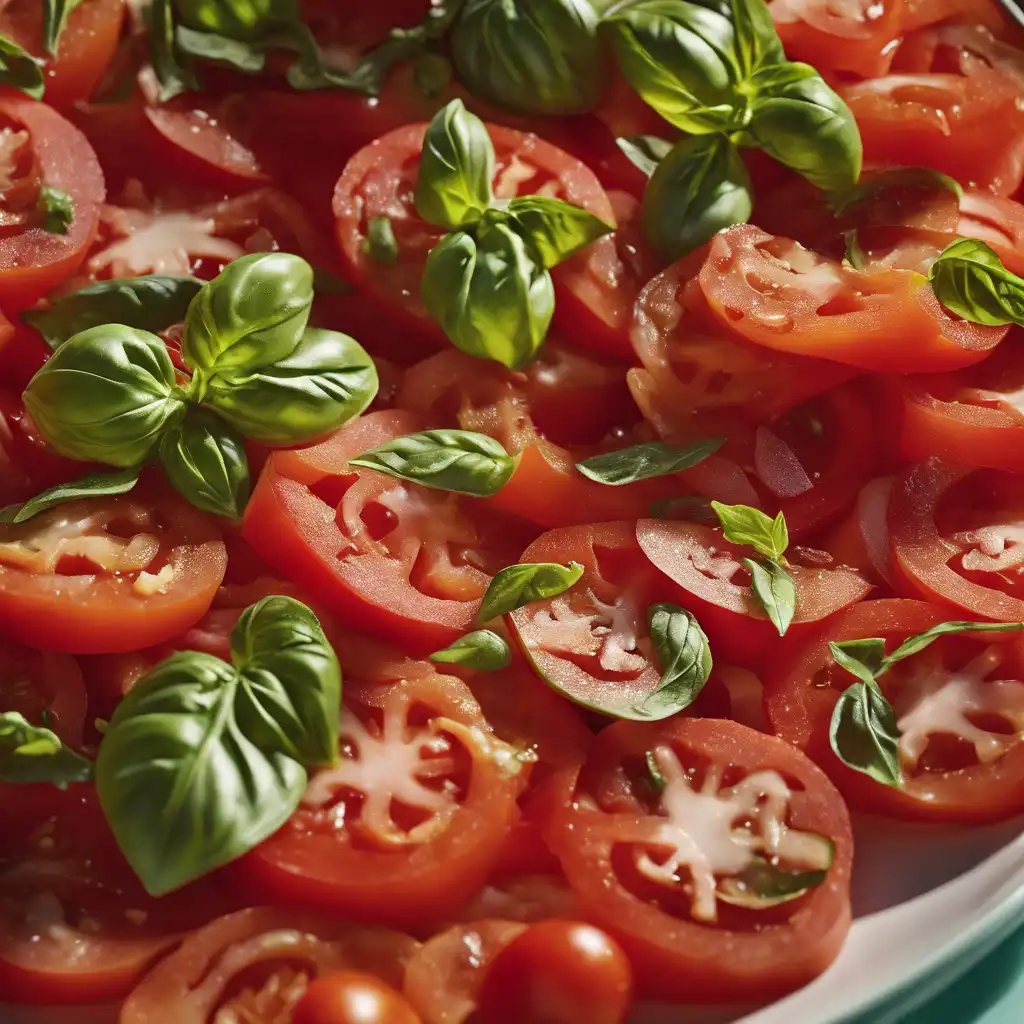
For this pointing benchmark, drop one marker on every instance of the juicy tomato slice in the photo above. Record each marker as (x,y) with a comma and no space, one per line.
(100,575)
(778,294)
(403,560)
(957,538)
(646,874)
(959,709)
(717,587)
(997,221)
(411,820)
(256,964)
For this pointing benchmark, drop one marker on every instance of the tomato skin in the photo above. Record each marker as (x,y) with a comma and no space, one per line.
(348,997)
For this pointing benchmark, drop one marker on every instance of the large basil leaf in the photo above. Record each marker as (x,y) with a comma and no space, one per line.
(646,461)
(775,590)
(685,658)
(483,650)
(151,303)
(242,56)
(29,753)
(970,279)
(449,460)
(701,187)
(327,379)
(757,42)
(519,585)
(55,19)
(93,485)
(864,736)
(530,56)
(456,169)
(20,70)
(106,395)
(554,228)
(742,524)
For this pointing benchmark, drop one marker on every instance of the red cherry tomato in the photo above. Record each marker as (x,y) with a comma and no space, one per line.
(350,997)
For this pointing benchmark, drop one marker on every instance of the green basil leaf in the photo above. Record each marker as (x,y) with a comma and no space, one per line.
(238,19)
(863,658)
(381,245)
(530,56)
(29,753)
(251,315)
(106,395)
(57,209)
(174,76)
(685,658)
(646,461)
(456,169)
(775,589)
(326,380)
(970,279)
(491,295)
(918,643)
(20,70)
(93,485)
(693,508)
(554,228)
(448,460)
(757,42)
(645,152)
(841,200)
(519,585)
(864,735)
(205,461)
(742,524)
(701,187)
(854,253)
(55,19)
(151,303)
(763,884)
(656,779)
(482,649)
(248,58)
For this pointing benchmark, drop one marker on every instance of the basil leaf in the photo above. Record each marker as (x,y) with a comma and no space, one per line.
(646,461)
(841,200)
(918,643)
(205,461)
(701,187)
(491,295)
(530,56)
(57,208)
(776,591)
(238,19)
(482,649)
(55,19)
(448,460)
(864,736)
(764,884)
(251,315)
(151,303)
(863,658)
(20,70)
(93,485)
(381,245)
(174,76)
(554,229)
(457,167)
(685,658)
(645,152)
(30,753)
(693,508)
(106,395)
(326,380)
(854,253)
(742,524)
(519,585)
(970,279)
(231,53)
(656,779)
(757,42)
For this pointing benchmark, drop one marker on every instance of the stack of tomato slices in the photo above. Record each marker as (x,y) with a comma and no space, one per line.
(494,844)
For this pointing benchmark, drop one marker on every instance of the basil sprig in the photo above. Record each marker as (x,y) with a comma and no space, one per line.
(771,584)
(483,650)
(203,760)
(487,283)
(31,753)
(20,70)
(970,279)
(863,730)
(646,461)
(519,585)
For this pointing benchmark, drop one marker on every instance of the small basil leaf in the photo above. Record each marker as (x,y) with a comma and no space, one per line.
(519,585)
(863,658)
(693,508)
(174,76)
(381,245)
(645,152)
(918,643)
(105,395)
(93,485)
(701,187)
(841,200)
(20,70)
(448,460)
(491,295)
(57,209)
(763,884)
(29,753)
(205,461)
(864,736)
(554,229)
(55,19)
(482,649)
(238,19)
(646,461)
(656,779)
(151,303)
(237,54)
(456,169)
(685,658)
(970,279)
(854,253)
(742,524)
(757,42)
(776,591)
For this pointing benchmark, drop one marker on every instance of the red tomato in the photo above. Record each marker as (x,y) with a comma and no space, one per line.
(780,295)
(861,541)
(958,707)
(411,820)
(43,149)
(100,575)
(996,221)
(717,588)
(256,964)
(650,877)
(22,353)
(350,997)
(403,560)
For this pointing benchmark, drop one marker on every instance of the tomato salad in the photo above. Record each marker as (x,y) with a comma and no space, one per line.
(488,486)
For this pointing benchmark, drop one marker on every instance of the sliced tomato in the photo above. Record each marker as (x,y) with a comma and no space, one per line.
(717,587)
(22,353)
(861,541)
(256,965)
(99,575)
(409,822)
(997,221)
(959,708)
(646,873)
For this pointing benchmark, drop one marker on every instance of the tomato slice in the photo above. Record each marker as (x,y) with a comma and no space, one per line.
(649,875)
(99,575)
(959,709)
(997,221)
(256,964)
(410,821)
